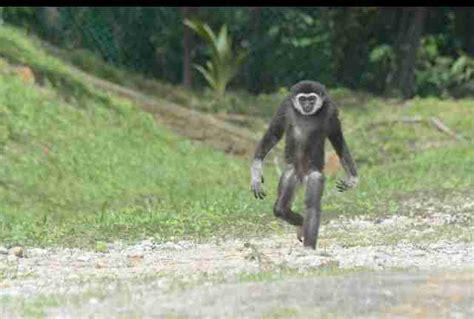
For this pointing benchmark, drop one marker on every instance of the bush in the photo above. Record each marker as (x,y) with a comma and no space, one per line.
(441,75)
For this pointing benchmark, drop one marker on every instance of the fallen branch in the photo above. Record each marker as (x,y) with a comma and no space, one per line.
(408,120)
(443,128)
(438,124)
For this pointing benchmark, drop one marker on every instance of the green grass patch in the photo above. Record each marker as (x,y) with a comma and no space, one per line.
(35,308)
(69,173)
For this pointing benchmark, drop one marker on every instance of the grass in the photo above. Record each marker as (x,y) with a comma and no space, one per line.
(79,166)
(70,174)
(95,168)
(35,308)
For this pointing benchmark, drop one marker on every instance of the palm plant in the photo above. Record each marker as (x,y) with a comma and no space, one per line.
(223,64)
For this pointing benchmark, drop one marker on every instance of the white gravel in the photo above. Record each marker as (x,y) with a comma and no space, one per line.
(430,236)
(44,270)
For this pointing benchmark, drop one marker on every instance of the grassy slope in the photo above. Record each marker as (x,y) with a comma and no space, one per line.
(78,165)
(95,167)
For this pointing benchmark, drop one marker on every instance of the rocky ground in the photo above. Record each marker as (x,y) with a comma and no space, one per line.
(421,259)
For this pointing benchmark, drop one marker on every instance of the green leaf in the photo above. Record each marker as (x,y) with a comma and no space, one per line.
(459,65)
(201,29)
(208,76)
(223,64)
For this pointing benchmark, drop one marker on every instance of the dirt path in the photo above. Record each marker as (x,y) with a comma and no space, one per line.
(362,295)
(182,280)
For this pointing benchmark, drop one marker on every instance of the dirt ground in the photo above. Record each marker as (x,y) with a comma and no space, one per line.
(419,264)
(362,295)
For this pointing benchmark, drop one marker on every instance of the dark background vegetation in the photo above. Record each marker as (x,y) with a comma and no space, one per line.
(400,52)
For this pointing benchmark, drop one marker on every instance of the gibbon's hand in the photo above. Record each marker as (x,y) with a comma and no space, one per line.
(347,183)
(257,180)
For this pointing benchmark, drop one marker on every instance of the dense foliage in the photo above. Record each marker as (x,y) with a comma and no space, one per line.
(398,51)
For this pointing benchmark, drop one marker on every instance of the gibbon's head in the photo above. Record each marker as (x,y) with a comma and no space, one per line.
(308,97)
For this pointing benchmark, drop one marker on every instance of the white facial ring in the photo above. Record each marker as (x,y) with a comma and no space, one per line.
(317,104)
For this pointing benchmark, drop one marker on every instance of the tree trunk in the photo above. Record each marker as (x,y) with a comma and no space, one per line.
(463,28)
(410,31)
(254,67)
(187,48)
(50,20)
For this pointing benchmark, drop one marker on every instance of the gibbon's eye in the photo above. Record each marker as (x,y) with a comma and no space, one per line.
(312,99)
(302,99)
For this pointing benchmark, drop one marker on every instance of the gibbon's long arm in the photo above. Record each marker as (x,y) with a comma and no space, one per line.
(273,134)
(336,137)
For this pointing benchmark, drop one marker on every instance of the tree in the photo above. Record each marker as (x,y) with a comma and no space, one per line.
(187,12)
(255,65)
(406,48)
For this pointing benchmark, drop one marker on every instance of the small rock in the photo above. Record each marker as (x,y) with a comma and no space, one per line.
(84,258)
(3,251)
(93,301)
(387,292)
(16,251)
(146,244)
(136,254)
(185,244)
(169,246)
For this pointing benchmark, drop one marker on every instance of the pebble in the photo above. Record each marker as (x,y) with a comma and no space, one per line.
(170,246)
(84,258)
(135,254)
(16,251)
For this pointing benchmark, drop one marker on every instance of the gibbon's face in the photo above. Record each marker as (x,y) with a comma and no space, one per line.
(307,103)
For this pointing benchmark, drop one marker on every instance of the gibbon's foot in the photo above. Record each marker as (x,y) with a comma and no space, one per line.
(299,233)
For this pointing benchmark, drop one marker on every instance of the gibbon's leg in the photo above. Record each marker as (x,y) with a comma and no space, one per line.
(286,191)
(312,201)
